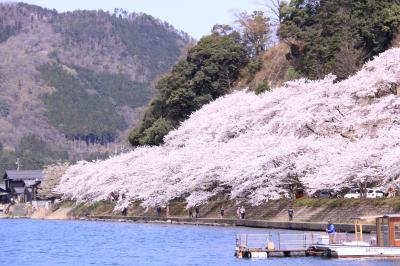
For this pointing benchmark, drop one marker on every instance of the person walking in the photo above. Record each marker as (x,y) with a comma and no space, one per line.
(222,211)
(158,210)
(242,212)
(331,232)
(197,210)
(290,213)
(190,213)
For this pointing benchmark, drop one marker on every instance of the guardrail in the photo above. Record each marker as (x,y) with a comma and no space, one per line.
(290,241)
(296,241)
(278,241)
(253,240)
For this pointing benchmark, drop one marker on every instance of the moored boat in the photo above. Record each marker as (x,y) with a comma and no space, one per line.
(386,244)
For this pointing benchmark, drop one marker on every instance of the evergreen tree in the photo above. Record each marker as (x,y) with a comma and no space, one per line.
(337,36)
(209,71)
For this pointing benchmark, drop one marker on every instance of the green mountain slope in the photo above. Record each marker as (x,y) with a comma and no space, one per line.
(78,80)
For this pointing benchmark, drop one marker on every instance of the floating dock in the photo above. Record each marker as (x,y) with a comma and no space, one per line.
(282,244)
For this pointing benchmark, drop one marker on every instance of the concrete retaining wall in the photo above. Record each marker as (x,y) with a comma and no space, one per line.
(304,226)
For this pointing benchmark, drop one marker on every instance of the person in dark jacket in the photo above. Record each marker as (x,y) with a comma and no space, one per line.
(290,213)
(190,213)
(158,210)
(222,211)
(197,210)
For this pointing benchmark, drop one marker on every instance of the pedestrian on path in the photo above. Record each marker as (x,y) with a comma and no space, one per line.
(290,213)
(242,212)
(331,232)
(158,210)
(197,210)
(190,213)
(222,211)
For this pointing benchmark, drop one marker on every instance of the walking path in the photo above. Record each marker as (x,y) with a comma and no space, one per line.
(305,226)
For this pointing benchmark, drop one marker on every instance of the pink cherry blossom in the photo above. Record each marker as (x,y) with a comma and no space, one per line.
(327,134)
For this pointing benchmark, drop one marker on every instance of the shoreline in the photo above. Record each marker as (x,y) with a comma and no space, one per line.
(219,222)
(299,226)
(310,214)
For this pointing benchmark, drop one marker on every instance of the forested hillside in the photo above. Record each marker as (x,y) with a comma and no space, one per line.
(76,81)
(337,36)
(208,72)
(303,39)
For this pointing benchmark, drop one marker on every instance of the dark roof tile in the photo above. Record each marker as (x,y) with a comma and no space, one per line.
(24,175)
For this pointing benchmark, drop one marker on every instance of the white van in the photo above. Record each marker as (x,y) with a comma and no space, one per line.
(375,193)
(354,193)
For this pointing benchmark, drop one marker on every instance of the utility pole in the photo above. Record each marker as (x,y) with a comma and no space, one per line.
(18,163)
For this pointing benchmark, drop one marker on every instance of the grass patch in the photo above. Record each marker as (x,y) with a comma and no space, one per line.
(67,204)
(394,202)
(96,208)
(378,202)
(332,203)
(307,202)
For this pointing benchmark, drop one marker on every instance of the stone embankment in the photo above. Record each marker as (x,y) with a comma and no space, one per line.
(309,214)
(303,226)
(35,211)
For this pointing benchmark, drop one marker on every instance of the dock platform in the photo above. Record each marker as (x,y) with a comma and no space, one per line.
(281,244)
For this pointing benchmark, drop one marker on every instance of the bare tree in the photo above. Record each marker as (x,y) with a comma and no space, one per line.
(222,29)
(274,9)
(255,30)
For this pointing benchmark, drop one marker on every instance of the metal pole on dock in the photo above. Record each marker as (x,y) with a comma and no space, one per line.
(279,241)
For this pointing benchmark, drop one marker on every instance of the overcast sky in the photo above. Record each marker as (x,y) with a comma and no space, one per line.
(195,17)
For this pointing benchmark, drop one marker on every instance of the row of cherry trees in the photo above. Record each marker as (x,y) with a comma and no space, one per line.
(320,134)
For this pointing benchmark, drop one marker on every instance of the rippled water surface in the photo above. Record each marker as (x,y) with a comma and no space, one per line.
(34,242)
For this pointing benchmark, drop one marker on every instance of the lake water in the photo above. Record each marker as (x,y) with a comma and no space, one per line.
(35,242)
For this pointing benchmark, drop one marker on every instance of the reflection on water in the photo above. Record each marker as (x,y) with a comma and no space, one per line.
(32,242)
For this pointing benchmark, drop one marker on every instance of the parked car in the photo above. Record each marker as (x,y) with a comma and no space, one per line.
(375,193)
(325,194)
(354,193)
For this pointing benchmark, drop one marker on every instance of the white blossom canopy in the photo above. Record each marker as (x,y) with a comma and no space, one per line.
(328,135)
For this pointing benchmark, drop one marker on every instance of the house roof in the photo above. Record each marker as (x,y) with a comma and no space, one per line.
(23,175)
(393,215)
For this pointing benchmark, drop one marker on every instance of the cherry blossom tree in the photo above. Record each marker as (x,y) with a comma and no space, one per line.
(51,178)
(325,134)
